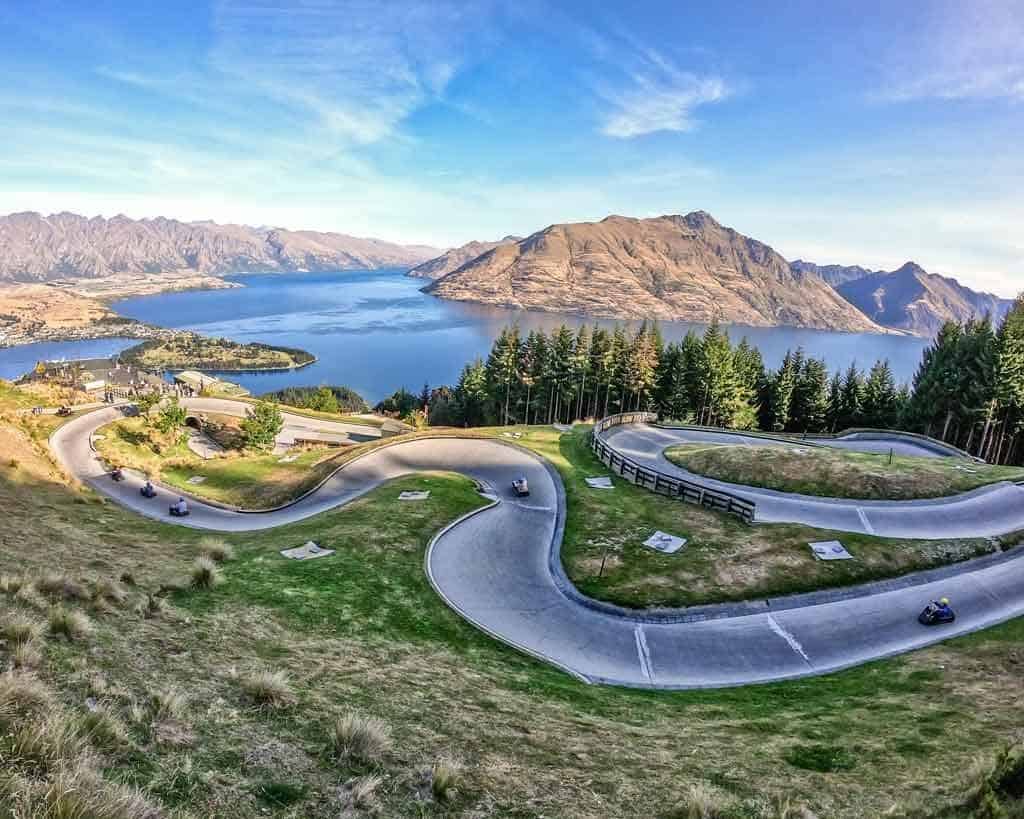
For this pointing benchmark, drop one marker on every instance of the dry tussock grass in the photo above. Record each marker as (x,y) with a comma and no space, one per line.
(206,574)
(359,738)
(218,550)
(71,624)
(267,689)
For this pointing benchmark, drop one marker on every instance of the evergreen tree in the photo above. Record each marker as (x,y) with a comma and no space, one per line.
(722,400)
(581,369)
(1009,384)
(471,394)
(835,402)
(601,368)
(851,403)
(809,404)
(780,392)
(560,372)
(687,379)
(880,408)
(531,372)
(503,371)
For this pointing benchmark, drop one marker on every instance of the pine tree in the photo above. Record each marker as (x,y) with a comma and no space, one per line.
(835,402)
(780,392)
(533,365)
(881,403)
(581,369)
(1009,383)
(809,405)
(503,371)
(600,368)
(686,380)
(471,393)
(851,403)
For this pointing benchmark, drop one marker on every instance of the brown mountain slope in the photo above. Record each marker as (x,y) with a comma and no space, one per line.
(456,257)
(35,248)
(671,267)
(919,302)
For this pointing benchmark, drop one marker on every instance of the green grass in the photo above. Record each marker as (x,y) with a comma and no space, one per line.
(838,473)
(362,631)
(724,559)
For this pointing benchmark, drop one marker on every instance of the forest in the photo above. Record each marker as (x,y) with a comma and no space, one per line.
(968,389)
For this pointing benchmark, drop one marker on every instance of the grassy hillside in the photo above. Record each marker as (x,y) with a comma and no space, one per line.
(190,351)
(345,687)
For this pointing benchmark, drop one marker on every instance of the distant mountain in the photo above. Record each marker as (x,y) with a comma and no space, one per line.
(834,274)
(35,248)
(456,257)
(919,302)
(670,267)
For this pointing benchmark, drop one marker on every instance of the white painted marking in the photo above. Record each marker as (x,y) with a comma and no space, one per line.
(789,638)
(864,519)
(643,653)
(534,508)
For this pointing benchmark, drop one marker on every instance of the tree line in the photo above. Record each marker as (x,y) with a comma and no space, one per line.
(968,389)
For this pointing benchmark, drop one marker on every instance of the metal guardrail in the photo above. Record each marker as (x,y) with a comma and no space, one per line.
(668,485)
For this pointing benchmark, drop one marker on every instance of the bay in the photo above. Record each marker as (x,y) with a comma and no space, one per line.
(375,331)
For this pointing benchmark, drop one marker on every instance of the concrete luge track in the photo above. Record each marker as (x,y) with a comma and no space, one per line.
(499,569)
(992,510)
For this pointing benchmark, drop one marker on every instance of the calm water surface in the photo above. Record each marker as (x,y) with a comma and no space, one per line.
(374,331)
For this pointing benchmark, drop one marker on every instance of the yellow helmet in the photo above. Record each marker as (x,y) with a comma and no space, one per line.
(944,601)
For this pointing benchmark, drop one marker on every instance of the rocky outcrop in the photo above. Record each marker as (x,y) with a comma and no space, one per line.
(689,268)
(35,248)
(834,274)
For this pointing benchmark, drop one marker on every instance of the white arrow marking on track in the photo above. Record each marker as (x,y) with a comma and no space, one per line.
(643,652)
(864,519)
(789,638)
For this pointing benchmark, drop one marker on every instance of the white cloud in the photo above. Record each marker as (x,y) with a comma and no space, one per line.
(359,67)
(964,51)
(658,96)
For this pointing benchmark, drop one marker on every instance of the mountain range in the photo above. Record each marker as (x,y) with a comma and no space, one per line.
(691,268)
(36,248)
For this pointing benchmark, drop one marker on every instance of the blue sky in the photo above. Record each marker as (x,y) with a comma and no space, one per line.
(852,132)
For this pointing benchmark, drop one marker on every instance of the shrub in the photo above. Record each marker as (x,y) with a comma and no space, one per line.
(363,791)
(22,696)
(69,623)
(110,591)
(169,704)
(217,550)
(206,574)
(29,596)
(444,779)
(26,656)
(11,583)
(268,689)
(78,792)
(365,739)
(61,587)
(702,802)
(18,629)
(104,729)
(46,743)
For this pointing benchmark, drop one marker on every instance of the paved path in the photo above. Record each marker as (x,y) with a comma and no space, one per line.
(499,569)
(991,510)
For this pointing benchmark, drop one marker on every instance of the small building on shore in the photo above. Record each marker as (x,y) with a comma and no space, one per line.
(98,376)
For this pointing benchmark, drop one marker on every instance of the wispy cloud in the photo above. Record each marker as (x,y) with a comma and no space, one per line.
(359,67)
(964,51)
(658,96)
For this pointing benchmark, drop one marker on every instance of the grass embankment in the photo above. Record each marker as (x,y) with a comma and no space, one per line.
(344,686)
(838,473)
(187,351)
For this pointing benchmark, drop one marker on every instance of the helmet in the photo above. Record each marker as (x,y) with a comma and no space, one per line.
(944,601)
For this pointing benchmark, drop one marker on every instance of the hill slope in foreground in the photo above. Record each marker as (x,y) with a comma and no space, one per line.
(36,248)
(235,698)
(672,267)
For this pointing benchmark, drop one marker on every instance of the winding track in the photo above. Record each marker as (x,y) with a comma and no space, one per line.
(991,510)
(499,569)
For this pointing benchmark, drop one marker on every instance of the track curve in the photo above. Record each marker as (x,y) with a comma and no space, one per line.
(495,568)
(992,510)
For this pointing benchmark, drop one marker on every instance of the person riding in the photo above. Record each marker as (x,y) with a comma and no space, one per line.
(942,608)
(148,489)
(181,507)
(117,474)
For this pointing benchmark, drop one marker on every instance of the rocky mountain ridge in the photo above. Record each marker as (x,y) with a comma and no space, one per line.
(453,259)
(36,248)
(687,268)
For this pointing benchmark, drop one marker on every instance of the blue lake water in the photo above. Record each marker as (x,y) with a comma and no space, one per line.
(374,331)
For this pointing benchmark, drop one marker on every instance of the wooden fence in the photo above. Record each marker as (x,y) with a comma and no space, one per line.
(668,485)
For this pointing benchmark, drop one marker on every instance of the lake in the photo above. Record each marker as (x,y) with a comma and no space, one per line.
(374,331)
